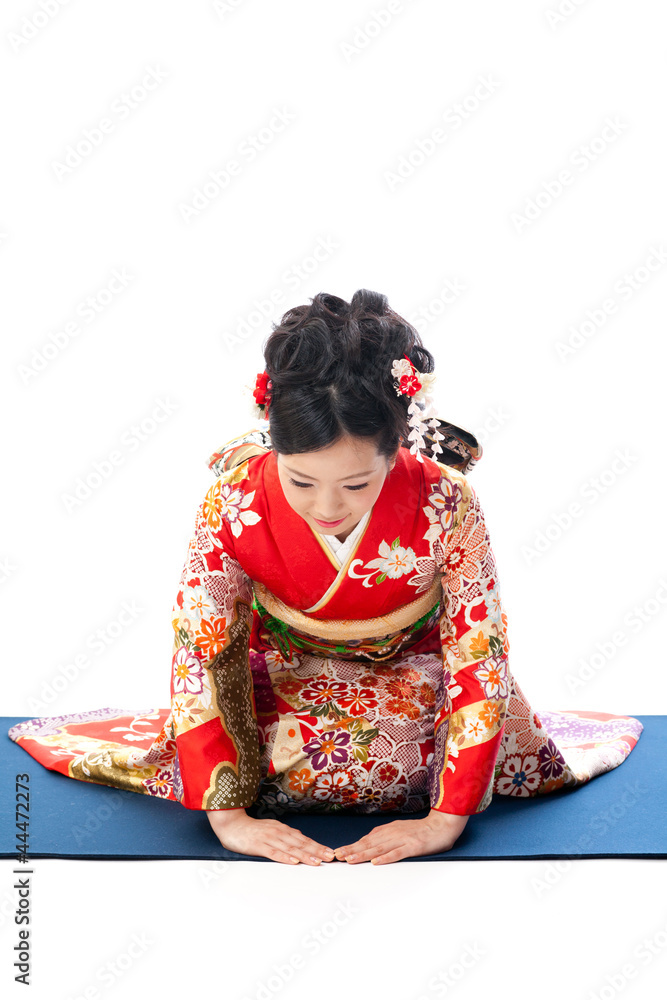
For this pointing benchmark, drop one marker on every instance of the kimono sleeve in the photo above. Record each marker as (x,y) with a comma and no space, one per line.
(470,719)
(213,710)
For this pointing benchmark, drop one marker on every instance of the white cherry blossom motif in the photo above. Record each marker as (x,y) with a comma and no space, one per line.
(197,604)
(188,672)
(401,368)
(493,603)
(187,708)
(520,777)
(180,709)
(276,662)
(226,502)
(474,729)
(232,507)
(394,561)
(492,675)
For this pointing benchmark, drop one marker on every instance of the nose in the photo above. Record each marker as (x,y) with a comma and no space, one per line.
(330,517)
(336,512)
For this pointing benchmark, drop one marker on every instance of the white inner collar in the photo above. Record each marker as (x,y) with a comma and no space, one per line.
(341,549)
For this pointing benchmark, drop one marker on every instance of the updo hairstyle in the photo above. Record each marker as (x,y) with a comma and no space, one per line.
(330,364)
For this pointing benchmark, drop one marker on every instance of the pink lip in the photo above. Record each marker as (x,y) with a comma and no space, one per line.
(330,524)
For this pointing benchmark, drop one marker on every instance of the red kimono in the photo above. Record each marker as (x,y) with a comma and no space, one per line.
(371,675)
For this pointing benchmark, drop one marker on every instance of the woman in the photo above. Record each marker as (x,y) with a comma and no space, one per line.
(339,637)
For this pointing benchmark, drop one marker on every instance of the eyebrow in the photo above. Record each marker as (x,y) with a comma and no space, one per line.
(355,475)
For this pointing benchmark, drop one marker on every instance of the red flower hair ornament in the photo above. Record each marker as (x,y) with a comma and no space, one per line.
(262,394)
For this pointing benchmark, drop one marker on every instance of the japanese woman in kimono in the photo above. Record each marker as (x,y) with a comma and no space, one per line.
(339,639)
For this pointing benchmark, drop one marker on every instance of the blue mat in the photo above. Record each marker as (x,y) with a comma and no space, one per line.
(622,813)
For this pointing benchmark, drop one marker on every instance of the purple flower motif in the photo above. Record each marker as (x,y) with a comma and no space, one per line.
(551,760)
(160,784)
(330,747)
(445,498)
(492,676)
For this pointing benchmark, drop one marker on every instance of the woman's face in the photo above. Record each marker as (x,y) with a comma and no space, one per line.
(336,484)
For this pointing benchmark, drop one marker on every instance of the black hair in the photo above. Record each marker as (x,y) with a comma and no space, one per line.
(330,364)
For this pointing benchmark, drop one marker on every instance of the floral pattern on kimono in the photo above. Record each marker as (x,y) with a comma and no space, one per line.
(378,682)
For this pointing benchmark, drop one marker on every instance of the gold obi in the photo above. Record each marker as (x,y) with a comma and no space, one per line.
(382,638)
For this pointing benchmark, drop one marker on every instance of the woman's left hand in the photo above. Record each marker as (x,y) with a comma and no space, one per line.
(405,838)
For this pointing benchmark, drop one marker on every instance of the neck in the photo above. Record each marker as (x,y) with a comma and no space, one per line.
(348,531)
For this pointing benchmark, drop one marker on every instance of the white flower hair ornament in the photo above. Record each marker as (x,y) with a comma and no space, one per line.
(409,382)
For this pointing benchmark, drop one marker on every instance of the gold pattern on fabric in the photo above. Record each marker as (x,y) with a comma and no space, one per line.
(235,785)
(243,453)
(287,750)
(238,450)
(470,643)
(105,763)
(465,734)
(344,629)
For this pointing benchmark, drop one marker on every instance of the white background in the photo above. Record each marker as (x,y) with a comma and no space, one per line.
(361,100)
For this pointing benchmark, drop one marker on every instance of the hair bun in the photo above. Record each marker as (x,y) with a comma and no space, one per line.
(364,300)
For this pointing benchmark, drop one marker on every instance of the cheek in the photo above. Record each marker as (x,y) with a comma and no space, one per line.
(362,500)
(297,499)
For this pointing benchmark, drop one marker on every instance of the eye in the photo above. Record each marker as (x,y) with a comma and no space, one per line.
(294,482)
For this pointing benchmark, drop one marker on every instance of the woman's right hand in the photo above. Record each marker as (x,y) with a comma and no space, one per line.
(268,838)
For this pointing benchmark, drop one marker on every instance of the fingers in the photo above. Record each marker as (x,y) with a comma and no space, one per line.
(376,834)
(381,843)
(293,847)
(379,833)
(394,841)
(385,859)
(377,854)
(271,839)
